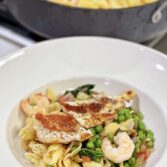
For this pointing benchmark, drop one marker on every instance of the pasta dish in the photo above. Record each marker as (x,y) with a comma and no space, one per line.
(84,128)
(103,4)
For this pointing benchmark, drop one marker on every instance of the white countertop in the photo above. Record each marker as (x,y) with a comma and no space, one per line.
(11,41)
(7,46)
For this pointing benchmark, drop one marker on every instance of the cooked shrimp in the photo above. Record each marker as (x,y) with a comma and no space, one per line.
(121,153)
(36,103)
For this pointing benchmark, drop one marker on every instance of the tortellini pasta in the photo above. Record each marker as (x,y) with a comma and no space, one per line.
(103,4)
(72,153)
(51,94)
(33,157)
(53,108)
(37,148)
(53,154)
(91,164)
(103,163)
(27,132)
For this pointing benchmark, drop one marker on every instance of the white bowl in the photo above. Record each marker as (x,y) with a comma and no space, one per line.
(114,61)
(152,111)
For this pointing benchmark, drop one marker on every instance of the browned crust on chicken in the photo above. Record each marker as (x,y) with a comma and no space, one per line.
(93,107)
(91,114)
(85,136)
(104,116)
(55,122)
(56,128)
(105,100)
(83,108)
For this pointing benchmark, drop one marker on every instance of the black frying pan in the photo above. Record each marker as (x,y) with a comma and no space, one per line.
(51,20)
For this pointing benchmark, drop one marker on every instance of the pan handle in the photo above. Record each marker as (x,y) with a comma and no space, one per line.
(3,6)
(5,12)
(157,16)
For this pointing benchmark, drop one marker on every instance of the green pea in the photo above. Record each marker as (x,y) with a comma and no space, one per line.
(90,145)
(121,112)
(151,138)
(138,141)
(97,160)
(137,149)
(112,164)
(93,131)
(149,132)
(126,164)
(128,115)
(98,143)
(132,161)
(139,114)
(141,126)
(125,110)
(99,149)
(99,128)
(93,139)
(136,121)
(121,118)
(110,136)
(141,135)
(97,136)
(135,154)
(150,144)
(150,135)
(137,118)
(137,145)
(135,165)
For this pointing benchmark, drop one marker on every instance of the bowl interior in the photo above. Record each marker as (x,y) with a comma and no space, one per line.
(153,113)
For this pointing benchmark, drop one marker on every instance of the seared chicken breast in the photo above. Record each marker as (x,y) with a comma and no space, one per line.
(100,108)
(56,128)
(89,114)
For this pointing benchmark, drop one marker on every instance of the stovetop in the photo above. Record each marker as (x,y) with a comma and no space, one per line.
(14,36)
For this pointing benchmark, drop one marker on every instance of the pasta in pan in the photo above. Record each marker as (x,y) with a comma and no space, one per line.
(103,4)
(84,128)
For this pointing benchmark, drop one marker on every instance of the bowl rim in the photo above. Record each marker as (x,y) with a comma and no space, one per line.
(15,54)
